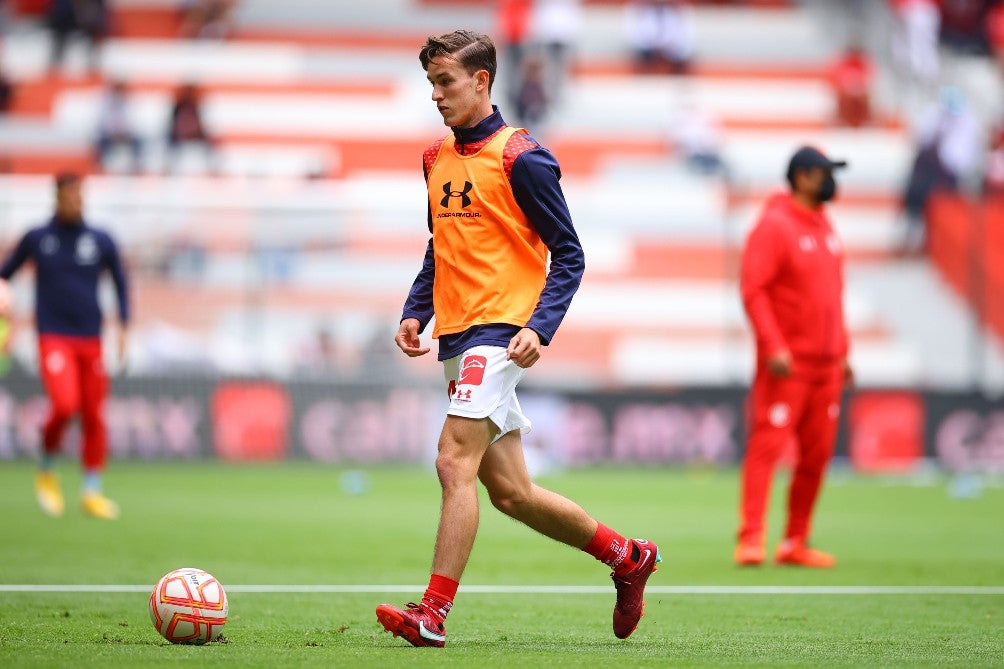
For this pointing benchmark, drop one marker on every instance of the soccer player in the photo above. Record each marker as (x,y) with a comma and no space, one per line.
(69,256)
(792,284)
(496,210)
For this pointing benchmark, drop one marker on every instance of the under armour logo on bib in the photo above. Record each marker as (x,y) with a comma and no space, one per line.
(465,199)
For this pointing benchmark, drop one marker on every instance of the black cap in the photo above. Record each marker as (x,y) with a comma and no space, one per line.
(808,157)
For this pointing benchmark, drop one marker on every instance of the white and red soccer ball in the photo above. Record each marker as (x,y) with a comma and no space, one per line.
(188,605)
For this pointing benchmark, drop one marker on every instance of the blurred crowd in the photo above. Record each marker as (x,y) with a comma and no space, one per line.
(958,137)
(933,53)
(92,21)
(538,39)
(922,47)
(955,146)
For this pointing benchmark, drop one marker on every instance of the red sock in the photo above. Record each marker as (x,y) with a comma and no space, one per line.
(438,597)
(610,548)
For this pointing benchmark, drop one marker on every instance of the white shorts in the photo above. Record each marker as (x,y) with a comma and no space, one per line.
(482,383)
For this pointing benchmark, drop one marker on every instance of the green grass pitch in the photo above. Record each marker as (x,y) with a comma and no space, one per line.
(296,524)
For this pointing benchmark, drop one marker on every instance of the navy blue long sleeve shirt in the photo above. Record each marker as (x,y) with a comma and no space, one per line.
(69,260)
(535,184)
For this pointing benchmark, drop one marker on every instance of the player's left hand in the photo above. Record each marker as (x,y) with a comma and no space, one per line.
(524,348)
(848,373)
(122,347)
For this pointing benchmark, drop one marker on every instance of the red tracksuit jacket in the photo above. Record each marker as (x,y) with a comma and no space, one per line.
(792,284)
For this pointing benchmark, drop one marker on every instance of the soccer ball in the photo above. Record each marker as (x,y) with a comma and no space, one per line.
(188,605)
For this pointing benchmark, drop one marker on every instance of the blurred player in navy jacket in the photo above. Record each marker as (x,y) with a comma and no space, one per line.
(69,257)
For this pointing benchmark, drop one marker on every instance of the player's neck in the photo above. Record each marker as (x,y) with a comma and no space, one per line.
(483,112)
(806,200)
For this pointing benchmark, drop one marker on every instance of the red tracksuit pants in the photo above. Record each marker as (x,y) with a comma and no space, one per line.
(74,377)
(803,410)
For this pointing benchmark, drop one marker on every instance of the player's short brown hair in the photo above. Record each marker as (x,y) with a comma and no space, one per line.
(66,178)
(474,51)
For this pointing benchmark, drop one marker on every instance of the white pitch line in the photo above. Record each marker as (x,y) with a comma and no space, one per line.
(559,589)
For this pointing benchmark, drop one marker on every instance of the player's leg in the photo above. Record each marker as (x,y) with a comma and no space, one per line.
(60,378)
(774,406)
(58,371)
(94,452)
(504,474)
(461,447)
(476,380)
(817,433)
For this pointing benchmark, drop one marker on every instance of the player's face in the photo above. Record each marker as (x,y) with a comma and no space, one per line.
(816,184)
(459,96)
(69,203)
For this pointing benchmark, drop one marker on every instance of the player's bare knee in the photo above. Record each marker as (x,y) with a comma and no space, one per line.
(509,499)
(454,471)
(508,504)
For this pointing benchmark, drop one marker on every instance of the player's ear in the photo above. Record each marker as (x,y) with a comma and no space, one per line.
(481,78)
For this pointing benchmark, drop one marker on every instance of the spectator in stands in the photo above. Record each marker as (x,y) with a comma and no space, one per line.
(995,33)
(948,156)
(697,136)
(115,127)
(207,19)
(661,33)
(792,289)
(67,17)
(6,92)
(915,40)
(555,25)
(513,21)
(964,26)
(851,81)
(319,355)
(532,98)
(186,126)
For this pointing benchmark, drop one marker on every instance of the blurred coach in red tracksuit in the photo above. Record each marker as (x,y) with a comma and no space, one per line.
(792,285)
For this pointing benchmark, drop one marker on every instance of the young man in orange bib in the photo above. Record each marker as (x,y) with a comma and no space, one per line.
(496,211)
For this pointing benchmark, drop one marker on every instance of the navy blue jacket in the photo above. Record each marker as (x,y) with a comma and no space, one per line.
(534,179)
(68,262)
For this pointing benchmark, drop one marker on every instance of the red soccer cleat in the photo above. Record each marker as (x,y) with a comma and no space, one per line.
(414,624)
(630,606)
(749,554)
(796,553)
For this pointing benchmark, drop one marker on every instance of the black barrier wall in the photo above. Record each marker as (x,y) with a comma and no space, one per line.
(357,423)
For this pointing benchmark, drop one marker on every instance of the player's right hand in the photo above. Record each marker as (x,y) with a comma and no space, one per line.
(5,298)
(407,338)
(779,364)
